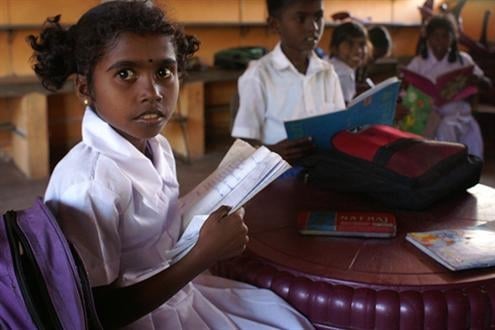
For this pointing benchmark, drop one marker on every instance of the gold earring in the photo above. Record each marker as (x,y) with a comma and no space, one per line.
(86,102)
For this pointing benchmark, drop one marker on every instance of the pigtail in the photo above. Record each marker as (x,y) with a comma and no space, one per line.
(422,48)
(454,53)
(186,46)
(53,54)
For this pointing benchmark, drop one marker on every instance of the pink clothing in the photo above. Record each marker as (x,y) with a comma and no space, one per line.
(457,123)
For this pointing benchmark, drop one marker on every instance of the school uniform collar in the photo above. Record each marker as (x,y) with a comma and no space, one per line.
(341,65)
(147,177)
(281,62)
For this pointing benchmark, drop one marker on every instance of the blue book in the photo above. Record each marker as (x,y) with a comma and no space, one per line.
(375,106)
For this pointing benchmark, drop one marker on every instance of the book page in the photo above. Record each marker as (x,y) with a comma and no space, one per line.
(242,173)
(243,170)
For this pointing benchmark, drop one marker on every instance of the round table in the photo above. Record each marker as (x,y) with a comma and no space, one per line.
(363,283)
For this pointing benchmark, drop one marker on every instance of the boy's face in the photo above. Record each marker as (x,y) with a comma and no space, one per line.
(352,51)
(300,25)
(136,86)
(439,42)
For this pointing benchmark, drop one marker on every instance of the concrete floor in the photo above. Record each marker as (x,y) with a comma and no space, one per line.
(17,192)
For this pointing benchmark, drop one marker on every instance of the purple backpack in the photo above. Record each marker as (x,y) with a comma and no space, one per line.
(43,284)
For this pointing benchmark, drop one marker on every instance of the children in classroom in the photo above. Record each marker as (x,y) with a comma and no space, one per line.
(115,194)
(438,53)
(290,82)
(348,51)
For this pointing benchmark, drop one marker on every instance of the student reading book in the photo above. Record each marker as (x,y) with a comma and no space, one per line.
(115,194)
(375,106)
(458,249)
(288,83)
(437,55)
(451,86)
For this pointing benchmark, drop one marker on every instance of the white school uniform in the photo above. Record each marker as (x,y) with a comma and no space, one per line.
(120,210)
(347,78)
(456,121)
(272,91)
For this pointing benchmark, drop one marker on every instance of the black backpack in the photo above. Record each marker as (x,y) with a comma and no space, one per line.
(399,169)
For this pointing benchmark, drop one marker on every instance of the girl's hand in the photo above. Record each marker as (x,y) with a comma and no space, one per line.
(222,236)
(293,150)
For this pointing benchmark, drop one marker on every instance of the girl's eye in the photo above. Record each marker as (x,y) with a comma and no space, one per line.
(125,74)
(164,73)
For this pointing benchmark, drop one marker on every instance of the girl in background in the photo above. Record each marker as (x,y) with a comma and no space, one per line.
(348,51)
(115,194)
(437,54)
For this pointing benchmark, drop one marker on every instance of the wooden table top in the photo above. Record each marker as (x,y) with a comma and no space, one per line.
(389,262)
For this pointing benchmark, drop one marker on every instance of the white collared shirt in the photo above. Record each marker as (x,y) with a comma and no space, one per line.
(120,210)
(272,91)
(347,78)
(115,205)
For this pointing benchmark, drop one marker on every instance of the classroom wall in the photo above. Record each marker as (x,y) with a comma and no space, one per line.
(225,23)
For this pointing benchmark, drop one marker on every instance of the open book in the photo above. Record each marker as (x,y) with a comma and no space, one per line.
(458,249)
(451,86)
(243,172)
(374,106)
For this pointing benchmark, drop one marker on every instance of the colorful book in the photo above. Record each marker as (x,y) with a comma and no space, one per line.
(360,224)
(451,86)
(420,106)
(458,249)
(375,106)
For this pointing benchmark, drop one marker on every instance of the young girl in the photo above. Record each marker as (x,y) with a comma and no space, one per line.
(115,194)
(290,82)
(348,51)
(438,54)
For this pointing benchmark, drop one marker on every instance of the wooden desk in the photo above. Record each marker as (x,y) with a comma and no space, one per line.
(186,131)
(37,129)
(24,123)
(364,283)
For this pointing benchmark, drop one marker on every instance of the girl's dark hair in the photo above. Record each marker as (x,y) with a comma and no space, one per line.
(60,52)
(347,31)
(439,22)
(380,37)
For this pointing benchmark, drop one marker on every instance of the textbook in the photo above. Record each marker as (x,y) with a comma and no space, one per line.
(374,106)
(242,173)
(420,107)
(454,85)
(458,249)
(360,224)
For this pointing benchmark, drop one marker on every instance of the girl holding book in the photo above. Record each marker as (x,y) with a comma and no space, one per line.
(115,194)
(438,54)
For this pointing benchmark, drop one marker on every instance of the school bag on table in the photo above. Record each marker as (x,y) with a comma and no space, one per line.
(400,169)
(43,284)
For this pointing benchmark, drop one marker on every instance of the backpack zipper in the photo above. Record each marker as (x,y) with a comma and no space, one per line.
(21,252)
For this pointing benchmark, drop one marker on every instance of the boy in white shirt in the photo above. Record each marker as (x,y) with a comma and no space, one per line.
(290,82)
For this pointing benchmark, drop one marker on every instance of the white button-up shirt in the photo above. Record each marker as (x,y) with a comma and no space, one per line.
(272,91)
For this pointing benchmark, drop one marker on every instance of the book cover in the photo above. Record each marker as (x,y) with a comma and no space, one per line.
(458,249)
(375,106)
(420,107)
(359,224)
(451,86)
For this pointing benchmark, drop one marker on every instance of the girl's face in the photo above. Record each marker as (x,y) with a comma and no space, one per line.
(352,51)
(135,86)
(439,42)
